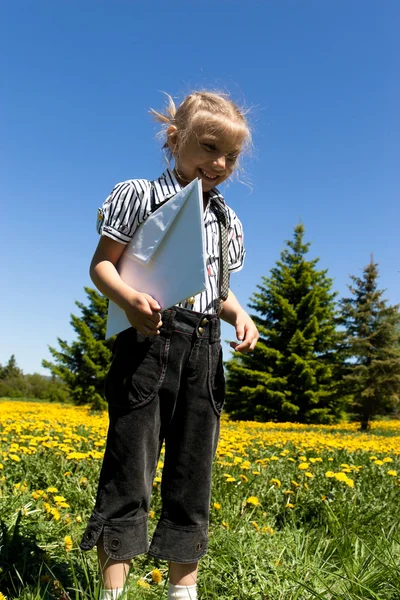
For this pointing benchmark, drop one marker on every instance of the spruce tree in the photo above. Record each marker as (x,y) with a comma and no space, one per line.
(372,370)
(84,363)
(290,375)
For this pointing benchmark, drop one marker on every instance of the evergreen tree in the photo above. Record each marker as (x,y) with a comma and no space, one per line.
(290,375)
(83,364)
(11,370)
(372,371)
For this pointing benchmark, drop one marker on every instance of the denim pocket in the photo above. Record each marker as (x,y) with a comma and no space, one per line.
(216,377)
(137,370)
(149,373)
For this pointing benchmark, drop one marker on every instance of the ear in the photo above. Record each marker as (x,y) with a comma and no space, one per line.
(172,138)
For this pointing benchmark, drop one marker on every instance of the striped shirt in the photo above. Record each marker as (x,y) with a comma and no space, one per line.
(128,206)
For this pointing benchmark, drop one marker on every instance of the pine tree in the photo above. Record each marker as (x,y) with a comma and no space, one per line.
(83,364)
(290,375)
(372,371)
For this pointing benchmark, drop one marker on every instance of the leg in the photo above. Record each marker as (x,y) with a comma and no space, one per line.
(112,572)
(183,573)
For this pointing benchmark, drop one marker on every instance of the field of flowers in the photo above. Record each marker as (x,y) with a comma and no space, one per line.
(297,511)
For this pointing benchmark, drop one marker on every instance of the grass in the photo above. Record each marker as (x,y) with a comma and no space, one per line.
(297,512)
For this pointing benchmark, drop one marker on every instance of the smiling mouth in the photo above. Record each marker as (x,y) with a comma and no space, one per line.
(208,176)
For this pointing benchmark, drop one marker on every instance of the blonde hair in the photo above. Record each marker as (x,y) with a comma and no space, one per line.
(195,107)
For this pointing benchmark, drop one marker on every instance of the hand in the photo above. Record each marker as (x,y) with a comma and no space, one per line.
(144,314)
(246,333)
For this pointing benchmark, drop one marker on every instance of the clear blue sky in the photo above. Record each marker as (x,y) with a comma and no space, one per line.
(77,79)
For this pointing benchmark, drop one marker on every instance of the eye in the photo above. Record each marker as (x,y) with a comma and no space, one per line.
(209,147)
(232,157)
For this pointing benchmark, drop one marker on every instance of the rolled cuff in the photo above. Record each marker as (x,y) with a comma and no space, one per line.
(182,544)
(122,539)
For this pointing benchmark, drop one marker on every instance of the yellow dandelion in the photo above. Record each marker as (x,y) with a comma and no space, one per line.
(329,474)
(253,500)
(3,597)
(341,476)
(68,543)
(225,524)
(349,482)
(255,525)
(303,466)
(59,499)
(378,463)
(15,457)
(387,459)
(275,482)
(156,575)
(56,513)
(152,514)
(256,473)
(392,473)
(289,505)
(78,519)
(217,506)
(288,492)
(157,479)
(143,583)
(373,458)
(295,483)
(243,478)
(67,473)
(308,474)
(303,458)
(268,529)
(52,490)
(230,479)
(274,458)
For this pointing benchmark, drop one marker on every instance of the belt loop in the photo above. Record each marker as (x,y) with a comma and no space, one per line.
(168,321)
(214,330)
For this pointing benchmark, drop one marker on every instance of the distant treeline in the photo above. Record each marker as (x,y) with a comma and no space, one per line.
(14,384)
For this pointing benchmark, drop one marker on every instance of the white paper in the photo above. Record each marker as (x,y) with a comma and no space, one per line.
(166,255)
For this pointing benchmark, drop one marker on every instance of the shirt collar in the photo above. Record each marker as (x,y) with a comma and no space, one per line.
(167,186)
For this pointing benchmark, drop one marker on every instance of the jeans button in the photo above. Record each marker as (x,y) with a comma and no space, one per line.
(199,547)
(204,321)
(201,330)
(115,544)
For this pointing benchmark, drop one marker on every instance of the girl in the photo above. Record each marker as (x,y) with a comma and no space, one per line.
(166,381)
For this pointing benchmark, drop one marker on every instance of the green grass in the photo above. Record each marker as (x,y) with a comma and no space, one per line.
(337,541)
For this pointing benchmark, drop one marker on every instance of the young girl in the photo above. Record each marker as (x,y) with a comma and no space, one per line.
(166,381)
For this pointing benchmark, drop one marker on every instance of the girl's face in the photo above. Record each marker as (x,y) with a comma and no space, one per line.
(209,155)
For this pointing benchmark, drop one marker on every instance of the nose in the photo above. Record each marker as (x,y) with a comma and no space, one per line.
(220,162)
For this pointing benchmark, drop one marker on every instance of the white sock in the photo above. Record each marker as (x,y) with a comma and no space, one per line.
(110,594)
(182,592)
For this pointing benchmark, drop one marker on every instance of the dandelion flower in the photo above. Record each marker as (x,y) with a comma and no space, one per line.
(341,476)
(289,505)
(230,479)
(275,482)
(392,473)
(143,583)
(349,482)
(268,530)
(308,474)
(387,459)
(255,525)
(152,514)
(52,490)
(3,597)
(253,500)
(217,505)
(243,478)
(68,543)
(378,463)
(156,576)
(225,524)
(59,499)
(329,474)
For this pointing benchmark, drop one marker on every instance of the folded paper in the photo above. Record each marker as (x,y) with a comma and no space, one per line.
(166,255)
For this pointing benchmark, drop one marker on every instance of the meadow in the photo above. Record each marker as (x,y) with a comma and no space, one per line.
(297,512)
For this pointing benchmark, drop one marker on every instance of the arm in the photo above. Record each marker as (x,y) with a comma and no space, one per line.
(142,310)
(246,331)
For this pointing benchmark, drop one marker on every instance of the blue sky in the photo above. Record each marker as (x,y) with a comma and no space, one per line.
(77,79)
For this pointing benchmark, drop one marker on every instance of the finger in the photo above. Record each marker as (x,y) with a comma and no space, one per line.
(149,332)
(240,332)
(150,324)
(155,307)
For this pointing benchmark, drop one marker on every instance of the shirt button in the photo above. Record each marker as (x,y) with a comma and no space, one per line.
(204,321)
(191,300)
(201,330)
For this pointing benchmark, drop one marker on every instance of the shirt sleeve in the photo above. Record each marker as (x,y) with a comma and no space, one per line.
(236,250)
(124,209)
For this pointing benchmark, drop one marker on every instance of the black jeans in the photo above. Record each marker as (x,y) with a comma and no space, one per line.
(168,388)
